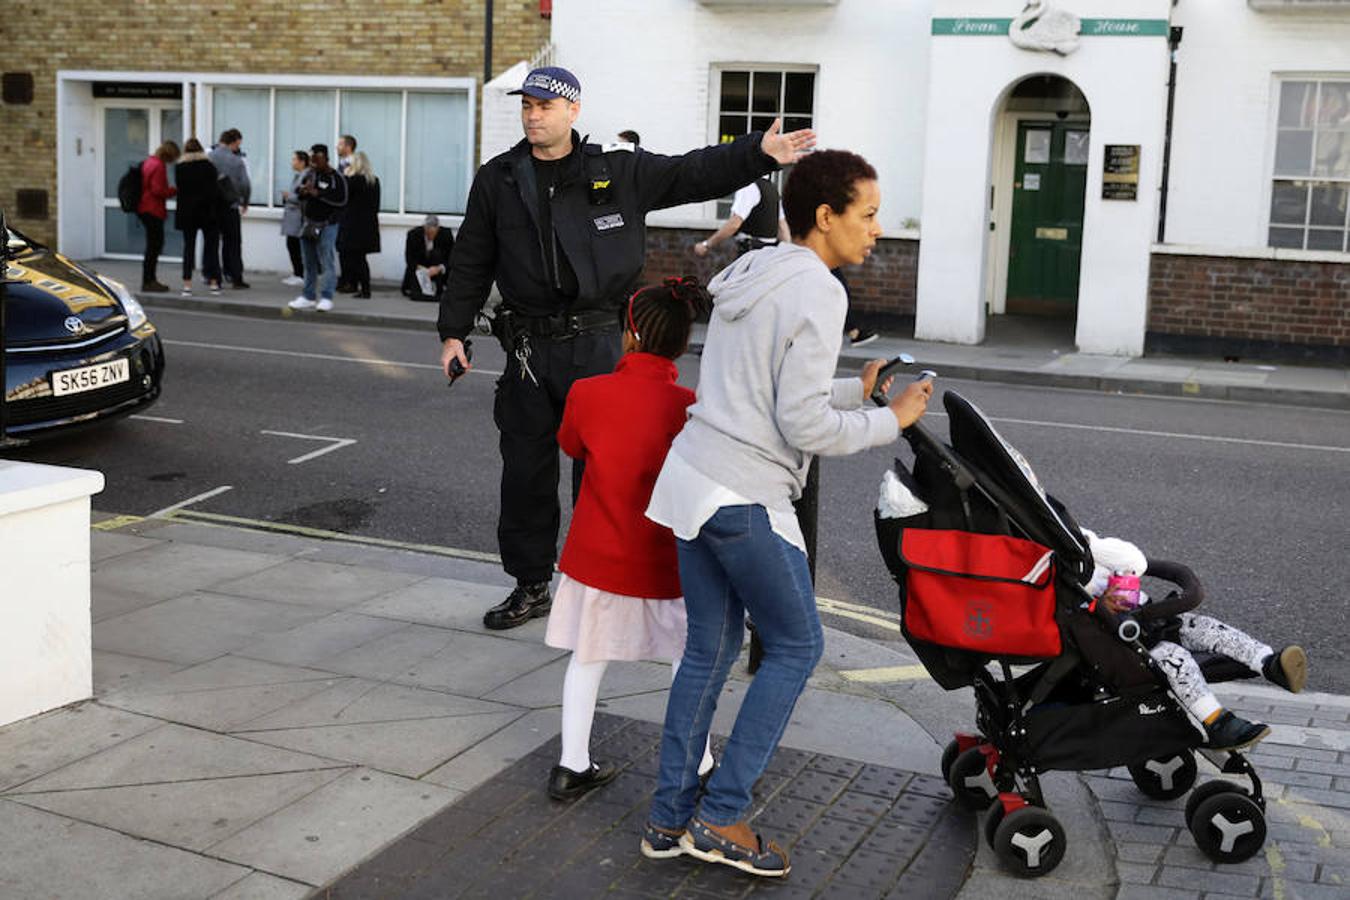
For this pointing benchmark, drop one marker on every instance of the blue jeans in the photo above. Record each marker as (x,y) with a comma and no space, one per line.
(317,255)
(735,565)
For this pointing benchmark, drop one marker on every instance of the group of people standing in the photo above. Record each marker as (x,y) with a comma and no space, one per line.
(212,190)
(330,217)
(683,519)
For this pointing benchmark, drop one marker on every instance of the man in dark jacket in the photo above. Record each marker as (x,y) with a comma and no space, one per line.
(559,224)
(428,247)
(323,194)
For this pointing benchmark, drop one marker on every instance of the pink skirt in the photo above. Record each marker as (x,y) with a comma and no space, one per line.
(597,625)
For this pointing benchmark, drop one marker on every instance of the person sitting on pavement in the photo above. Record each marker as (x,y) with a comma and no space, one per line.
(427,250)
(1171,644)
(768,402)
(323,194)
(619,598)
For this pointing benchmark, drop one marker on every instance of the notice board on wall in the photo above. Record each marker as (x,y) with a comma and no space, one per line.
(1120,172)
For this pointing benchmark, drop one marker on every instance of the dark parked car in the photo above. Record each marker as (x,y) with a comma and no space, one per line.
(78,347)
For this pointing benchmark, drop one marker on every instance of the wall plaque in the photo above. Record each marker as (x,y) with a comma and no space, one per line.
(1120,172)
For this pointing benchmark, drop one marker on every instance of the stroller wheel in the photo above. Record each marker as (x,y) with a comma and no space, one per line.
(970,780)
(1029,841)
(992,818)
(1228,827)
(1205,791)
(1165,777)
(949,754)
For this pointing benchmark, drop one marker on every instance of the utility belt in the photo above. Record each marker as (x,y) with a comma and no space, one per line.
(517,332)
(509,326)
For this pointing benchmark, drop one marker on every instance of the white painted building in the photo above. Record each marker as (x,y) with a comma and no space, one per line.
(1027,149)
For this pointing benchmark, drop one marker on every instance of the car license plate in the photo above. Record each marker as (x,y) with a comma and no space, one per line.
(90,378)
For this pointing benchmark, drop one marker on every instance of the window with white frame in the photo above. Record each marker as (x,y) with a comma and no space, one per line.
(1310,197)
(749,99)
(417,140)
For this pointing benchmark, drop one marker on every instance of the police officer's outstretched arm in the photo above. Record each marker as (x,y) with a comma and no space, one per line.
(472,264)
(712,172)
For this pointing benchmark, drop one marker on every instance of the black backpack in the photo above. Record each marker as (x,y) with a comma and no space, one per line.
(129,189)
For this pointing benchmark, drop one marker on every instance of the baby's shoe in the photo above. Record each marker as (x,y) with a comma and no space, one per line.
(1228,732)
(1288,668)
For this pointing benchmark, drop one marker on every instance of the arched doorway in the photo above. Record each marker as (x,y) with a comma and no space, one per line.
(1039,180)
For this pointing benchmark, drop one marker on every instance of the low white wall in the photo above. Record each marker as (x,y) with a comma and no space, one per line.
(46,640)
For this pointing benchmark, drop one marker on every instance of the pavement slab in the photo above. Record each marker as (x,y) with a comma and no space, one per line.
(499,751)
(176,753)
(198,627)
(189,814)
(326,585)
(320,639)
(506,838)
(33,747)
(104,545)
(442,659)
(321,836)
(163,571)
(117,671)
(542,688)
(448,603)
(107,864)
(261,886)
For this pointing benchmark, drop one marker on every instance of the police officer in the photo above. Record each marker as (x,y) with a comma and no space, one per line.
(756,220)
(558,223)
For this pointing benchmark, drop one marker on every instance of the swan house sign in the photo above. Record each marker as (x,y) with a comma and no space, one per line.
(980,27)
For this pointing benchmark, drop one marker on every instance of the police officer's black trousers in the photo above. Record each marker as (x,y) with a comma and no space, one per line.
(528,416)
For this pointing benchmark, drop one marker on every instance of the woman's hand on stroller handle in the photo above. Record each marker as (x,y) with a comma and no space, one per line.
(912,402)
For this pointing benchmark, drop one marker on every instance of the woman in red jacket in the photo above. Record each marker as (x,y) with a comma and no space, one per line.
(155,189)
(620,598)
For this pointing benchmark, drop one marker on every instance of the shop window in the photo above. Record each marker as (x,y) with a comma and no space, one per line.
(417,140)
(750,99)
(1310,195)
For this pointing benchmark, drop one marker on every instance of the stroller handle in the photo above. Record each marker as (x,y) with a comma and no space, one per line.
(1191,595)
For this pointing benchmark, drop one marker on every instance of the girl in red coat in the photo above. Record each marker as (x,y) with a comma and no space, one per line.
(620,597)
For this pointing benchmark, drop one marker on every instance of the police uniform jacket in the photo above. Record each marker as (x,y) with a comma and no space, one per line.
(598,211)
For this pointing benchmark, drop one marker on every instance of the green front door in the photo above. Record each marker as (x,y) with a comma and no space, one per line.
(1049,181)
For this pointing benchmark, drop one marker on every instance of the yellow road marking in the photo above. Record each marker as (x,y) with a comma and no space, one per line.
(304,531)
(856,607)
(885,674)
(826,605)
(117,522)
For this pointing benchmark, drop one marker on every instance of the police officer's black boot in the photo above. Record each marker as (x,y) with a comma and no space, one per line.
(526,602)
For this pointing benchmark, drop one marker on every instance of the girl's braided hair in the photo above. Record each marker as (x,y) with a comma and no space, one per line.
(661,316)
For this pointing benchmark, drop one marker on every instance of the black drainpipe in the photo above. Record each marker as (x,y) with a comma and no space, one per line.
(487,43)
(1173,42)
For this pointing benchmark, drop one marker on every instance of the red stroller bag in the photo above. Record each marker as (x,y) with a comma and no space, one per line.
(988,593)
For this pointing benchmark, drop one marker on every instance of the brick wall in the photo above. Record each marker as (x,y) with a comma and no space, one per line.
(883,287)
(376,37)
(1253,307)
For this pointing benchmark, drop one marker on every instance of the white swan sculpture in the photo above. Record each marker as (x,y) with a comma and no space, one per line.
(1042,26)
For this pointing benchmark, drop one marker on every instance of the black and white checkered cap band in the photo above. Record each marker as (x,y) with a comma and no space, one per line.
(554,86)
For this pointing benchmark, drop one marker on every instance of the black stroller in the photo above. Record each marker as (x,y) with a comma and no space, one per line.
(993,573)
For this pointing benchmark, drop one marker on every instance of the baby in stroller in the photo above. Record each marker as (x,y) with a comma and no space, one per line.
(1171,641)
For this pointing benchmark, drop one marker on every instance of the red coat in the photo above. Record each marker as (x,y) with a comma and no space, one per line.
(155,188)
(622,426)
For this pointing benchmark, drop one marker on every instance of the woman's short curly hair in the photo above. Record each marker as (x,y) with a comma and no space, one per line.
(826,176)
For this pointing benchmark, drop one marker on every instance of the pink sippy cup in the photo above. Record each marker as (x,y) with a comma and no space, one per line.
(1125,586)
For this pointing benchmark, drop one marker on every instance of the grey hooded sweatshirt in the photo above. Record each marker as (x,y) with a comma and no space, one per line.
(768,400)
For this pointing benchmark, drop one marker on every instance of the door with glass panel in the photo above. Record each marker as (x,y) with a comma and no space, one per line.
(130,134)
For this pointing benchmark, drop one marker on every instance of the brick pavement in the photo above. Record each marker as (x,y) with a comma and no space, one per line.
(854,830)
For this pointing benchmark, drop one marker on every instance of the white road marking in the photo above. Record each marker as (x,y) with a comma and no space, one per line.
(206,495)
(337,444)
(1214,439)
(331,357)
(144,418)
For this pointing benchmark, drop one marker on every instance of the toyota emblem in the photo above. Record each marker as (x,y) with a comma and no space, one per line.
(74,324)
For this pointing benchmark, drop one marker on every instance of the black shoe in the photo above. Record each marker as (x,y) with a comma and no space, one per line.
(1288,668)
(527,601)
(363,295)
(564,784)
(1228,732)
(241,285)
(154,287)
(863,337)
(346,289)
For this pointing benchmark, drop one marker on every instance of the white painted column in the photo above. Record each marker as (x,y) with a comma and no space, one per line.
(46,638)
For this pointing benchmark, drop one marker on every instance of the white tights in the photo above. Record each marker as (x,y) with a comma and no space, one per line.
(581,688)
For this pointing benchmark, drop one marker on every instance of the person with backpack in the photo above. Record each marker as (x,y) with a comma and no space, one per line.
(151,210)
(235,189)
(195,178)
